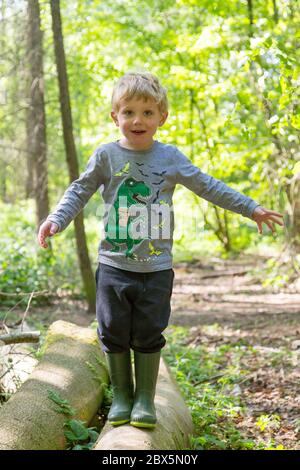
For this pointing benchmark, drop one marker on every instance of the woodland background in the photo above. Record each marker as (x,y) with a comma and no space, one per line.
(232,74)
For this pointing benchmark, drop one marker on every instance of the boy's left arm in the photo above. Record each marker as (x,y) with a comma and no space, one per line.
(219,193)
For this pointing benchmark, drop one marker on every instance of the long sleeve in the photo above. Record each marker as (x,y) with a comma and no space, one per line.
(211,189)
(80,191)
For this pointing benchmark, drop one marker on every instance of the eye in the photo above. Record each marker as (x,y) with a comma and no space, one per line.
(148,113)
(128,112)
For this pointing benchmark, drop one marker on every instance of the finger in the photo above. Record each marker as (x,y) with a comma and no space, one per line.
(43,244)
(259,225)
(53,229)
(274,219)
(41,239)
(273,213)
(270,225)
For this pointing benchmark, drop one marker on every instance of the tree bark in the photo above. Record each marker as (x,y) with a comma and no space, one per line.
(2,102)
(72,366)
(275,9)
(37,177)
(27,337)
(250,15)
(293,226)
(71,155)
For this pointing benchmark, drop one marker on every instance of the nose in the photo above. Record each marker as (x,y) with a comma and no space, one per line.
(137,119)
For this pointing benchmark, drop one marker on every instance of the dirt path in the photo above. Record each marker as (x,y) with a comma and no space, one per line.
(226,292)
(229,295)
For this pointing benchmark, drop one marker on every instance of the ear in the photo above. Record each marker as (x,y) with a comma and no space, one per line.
(115,118)
(163,118)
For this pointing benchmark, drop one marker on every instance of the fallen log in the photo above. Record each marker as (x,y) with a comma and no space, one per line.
(26,337)
(72,366)
(174,424)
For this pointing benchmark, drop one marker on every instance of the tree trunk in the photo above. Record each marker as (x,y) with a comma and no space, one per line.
(72,368)
(65,105)
(250,15)
(293,227)
(2,102)
(37,178)
(275,9)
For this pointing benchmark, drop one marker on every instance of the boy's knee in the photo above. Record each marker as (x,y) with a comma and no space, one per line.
(148,346)
(110,344)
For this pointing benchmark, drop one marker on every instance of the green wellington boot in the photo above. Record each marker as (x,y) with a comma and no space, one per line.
(143,413)
(120,372)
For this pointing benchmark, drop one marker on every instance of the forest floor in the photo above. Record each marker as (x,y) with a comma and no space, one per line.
(222,302)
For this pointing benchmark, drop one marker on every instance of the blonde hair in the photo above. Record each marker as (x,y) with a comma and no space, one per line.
(139,85)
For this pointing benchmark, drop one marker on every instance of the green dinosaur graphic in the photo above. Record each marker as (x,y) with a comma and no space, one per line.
(120,222)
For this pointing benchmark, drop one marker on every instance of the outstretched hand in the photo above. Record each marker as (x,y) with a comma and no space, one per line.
(261,215)
(47,229)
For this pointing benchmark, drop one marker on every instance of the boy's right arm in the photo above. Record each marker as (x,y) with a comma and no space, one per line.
(75,198)
(47,229)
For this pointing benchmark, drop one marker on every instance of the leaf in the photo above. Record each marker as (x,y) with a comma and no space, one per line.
(273,119)
(64,406)
(295,121)
(70,436)
(78,429)
(296,168)
(93,435)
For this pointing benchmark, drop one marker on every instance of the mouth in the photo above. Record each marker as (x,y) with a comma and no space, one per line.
(138,132)
(141,199)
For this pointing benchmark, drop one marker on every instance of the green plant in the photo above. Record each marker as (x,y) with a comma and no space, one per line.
(78,435)
(207,379)
(268,423)
(63,405)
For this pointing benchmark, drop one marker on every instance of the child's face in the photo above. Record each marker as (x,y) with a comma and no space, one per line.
(138,120)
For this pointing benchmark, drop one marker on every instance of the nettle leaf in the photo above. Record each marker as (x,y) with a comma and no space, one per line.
(70,436)
(93,435)
(78,430)
(64,406)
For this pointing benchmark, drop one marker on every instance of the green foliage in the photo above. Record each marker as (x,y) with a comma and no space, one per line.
(265,422)
(233,90)
(78,435)
(232,94)
(25,267)
(22,268)
(209,381)
(207,391)
(63,405)
(107,400)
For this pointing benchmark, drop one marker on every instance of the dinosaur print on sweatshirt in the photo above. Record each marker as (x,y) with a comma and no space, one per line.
(119,227)
(128,211)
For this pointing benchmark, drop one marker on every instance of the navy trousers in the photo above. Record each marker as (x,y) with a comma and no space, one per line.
(132,308)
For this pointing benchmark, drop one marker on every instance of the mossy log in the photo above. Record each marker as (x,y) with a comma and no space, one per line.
(174,424)
(73,366)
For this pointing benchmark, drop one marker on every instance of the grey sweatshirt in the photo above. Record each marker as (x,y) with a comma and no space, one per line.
(137,188)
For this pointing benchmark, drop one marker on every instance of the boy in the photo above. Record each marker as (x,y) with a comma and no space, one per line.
(137,176)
